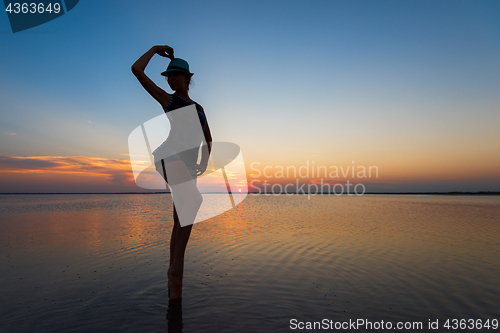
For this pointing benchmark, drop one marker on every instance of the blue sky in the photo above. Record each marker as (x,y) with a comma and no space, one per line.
(412,86)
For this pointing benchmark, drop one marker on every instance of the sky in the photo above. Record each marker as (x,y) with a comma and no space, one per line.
(408,88)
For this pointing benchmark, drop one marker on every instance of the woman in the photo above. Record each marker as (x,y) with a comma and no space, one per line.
(176,163)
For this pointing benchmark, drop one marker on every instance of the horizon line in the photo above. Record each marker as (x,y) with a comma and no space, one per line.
(271,193)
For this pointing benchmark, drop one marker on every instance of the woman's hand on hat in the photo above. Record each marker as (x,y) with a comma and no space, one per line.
(165,51)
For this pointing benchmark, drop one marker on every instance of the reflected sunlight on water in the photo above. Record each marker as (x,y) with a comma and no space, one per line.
(94,262)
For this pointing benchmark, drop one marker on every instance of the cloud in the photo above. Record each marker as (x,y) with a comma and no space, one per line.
(10,163)
(65,174)
(73,164)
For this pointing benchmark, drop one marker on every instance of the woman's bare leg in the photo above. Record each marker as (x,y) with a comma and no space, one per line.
(187,200)
(172,246)
(180,237)
(172,238)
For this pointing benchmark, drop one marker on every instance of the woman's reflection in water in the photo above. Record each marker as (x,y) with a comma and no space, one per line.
(174,316)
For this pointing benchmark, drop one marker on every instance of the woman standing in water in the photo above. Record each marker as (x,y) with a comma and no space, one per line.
(178,165)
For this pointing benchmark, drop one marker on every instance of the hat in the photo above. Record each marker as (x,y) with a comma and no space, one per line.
(177,65)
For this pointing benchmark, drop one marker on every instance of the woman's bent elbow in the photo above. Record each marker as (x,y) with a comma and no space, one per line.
(135,69)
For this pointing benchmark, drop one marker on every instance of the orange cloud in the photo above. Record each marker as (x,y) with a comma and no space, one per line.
(81,174)
(50,174)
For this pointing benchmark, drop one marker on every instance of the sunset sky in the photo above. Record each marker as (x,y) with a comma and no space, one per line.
(409,87)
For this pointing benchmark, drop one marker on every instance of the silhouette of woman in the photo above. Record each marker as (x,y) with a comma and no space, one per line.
(176,159)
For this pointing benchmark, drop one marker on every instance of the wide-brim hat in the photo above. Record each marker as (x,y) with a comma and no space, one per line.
(177,65)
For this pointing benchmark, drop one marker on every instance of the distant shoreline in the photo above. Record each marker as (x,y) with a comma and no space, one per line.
(295,193)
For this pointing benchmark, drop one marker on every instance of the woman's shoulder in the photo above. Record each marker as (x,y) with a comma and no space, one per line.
(176,102)
(199,108)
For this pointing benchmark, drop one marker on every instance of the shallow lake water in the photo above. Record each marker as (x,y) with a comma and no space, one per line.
(96,262)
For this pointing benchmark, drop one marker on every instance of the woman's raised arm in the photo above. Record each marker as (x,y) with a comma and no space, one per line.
(140,65)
